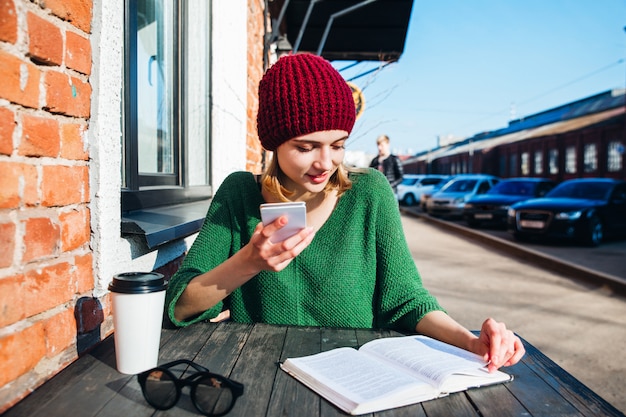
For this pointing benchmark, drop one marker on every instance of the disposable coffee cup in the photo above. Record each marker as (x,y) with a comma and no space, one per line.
(138,300)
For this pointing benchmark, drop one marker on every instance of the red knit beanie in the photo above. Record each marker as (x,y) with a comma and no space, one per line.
(302,94)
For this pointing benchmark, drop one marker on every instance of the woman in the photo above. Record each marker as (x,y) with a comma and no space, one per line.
(350,267)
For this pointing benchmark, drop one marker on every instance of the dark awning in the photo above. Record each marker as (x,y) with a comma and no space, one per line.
(361,30)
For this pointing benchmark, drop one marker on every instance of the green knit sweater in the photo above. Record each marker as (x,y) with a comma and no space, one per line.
(358,271)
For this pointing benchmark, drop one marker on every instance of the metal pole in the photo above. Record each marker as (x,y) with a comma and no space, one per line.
(304,23)
(281,16)
(332,18)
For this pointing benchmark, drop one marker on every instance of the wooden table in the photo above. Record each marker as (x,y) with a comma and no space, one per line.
(91,386)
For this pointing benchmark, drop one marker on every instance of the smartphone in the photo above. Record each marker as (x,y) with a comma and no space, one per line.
(296,215)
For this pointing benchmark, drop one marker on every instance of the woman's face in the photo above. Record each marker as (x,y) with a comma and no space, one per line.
(308,161)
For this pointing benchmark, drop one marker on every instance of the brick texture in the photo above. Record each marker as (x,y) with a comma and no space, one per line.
(21,351)
(75,231)
(18,185)
(64,185)
(7,244)
(67,95)
(7,127)
(40,137)
(20,80)
(73,142)
(45,41)
(77,12)
(59,332)
(8,21)
(46,262)
(41,238)
(11,310)
(78,53)
(254,150)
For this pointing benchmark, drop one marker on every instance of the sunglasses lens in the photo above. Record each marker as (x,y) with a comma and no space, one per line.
(213,396)
(160,390)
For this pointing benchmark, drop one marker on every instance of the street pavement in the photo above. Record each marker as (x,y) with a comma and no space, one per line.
(579,325)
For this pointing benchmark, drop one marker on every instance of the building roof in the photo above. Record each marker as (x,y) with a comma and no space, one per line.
(566,118)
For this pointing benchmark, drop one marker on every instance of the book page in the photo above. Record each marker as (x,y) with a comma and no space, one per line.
(355,376)
(429,357)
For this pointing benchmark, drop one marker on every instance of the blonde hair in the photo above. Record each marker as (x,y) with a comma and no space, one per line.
(382,138)
(273,177)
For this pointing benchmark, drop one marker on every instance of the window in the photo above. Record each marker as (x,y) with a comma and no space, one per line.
(513,165)
(525,163)
(615,154)
(570,160)
(166,99)
(538,162)
(590,156)
(553,161)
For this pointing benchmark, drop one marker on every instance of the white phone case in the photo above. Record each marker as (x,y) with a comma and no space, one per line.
(296,216)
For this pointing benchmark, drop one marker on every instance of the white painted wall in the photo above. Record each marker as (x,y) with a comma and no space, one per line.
(229,86)
(112,253)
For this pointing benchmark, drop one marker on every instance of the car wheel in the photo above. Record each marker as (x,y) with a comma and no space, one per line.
(409,199)
(595,232)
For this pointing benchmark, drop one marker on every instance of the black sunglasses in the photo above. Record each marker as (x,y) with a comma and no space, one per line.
(211,394)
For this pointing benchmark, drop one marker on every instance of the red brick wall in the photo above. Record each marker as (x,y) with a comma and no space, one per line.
(256,34)
(47,314)
(45,257)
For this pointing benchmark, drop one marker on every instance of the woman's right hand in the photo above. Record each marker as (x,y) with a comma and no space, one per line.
(264,255)
(260,254)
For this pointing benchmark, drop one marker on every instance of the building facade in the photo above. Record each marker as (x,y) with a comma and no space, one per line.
(105,107)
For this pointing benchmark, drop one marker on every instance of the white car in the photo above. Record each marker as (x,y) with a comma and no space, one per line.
(413,186)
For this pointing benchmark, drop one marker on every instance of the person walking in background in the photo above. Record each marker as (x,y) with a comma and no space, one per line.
(387,163)
(350,267)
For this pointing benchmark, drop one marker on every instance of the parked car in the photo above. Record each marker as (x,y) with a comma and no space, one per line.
(585,210)
(413,186)
(450,200)
(492,207)
(426,195)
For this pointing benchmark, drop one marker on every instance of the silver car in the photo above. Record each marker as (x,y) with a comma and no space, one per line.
(450,200)
(412,187)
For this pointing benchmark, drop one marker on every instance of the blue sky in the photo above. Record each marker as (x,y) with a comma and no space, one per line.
(471,65)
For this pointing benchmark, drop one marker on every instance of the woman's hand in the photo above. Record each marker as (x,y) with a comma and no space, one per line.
(263,254)
(498,345)
(260,254)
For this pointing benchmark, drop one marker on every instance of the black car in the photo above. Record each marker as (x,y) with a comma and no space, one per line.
(492,207)
(586,210)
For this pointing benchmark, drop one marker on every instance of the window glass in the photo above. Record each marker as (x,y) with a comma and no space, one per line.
(553,161)
(513,165)
(590,156)
(538,162)
(167,103)
(525,163)
(615,154)
(155,87)
(570,160)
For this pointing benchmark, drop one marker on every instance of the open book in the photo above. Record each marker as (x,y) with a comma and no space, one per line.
(391,372)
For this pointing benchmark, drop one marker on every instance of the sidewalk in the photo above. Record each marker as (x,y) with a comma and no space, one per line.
(579,326)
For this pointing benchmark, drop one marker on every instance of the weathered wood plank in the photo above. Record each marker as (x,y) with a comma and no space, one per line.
(456,405)
(539,398)
(249,354)
(496,401)
(568,387)
(290,397)
(256,368)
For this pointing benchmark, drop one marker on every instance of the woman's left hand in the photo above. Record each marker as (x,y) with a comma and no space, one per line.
(498,345)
